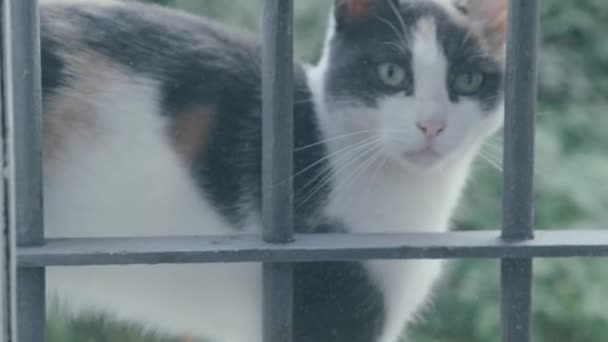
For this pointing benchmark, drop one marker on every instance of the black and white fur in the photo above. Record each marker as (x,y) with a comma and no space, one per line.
(152,128)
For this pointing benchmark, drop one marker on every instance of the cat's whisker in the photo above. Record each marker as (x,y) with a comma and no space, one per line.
(334,138)
(344,161)
(368,157)
(496,137)
(396,46)
(377,170)
(363,166)
(369,163)
(494,145)
(499,145)
(498,158)
(491,161)
(495,150)
(475,56)
(495,156)
(341,191)
(400,19)
(337,171)
(499,139)
(344,155)
(345,149)
(465,39)
(398,131)
(398,33)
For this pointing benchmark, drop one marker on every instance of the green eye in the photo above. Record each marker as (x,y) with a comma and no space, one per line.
(468,83)
(391,74)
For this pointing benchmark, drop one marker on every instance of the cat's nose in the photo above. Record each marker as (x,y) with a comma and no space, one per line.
(431,128)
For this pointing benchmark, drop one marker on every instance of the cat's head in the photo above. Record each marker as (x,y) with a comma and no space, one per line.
(421,78)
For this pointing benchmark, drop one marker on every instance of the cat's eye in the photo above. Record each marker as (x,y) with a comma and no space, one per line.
(468,82)
(392,75)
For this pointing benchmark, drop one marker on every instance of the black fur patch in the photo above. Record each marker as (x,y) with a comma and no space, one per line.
(336,301)
(53,74)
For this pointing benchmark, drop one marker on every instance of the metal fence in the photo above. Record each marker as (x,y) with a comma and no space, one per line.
(23,314)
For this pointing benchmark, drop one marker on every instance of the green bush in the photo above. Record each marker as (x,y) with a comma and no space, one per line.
(572,189)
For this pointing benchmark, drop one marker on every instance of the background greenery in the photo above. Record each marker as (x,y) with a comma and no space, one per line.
(570,296)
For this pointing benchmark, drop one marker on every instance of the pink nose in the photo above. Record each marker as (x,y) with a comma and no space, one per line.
(431,128)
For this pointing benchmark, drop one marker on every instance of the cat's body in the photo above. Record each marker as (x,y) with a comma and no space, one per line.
(152,128)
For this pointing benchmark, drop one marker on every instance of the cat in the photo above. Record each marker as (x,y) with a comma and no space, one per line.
(152,128)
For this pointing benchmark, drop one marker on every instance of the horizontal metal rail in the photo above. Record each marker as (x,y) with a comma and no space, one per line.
(324,247)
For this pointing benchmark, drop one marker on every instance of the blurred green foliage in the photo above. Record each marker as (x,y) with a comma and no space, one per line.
(570,301)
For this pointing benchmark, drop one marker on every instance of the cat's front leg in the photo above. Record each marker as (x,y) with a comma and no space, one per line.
(406,286)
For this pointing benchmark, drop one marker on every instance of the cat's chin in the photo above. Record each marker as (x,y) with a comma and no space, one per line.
(423,158)
(421,161)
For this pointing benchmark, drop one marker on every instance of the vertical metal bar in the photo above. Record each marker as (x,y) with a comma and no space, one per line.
(22,91)
(278,302)
(6,274)
(518,198)
(278,120)
(521,93)
(5,267)
(277,160)
(516,300)
(7,236)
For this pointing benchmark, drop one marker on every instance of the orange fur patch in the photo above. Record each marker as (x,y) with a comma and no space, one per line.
(359,8)
(492,12)
(189,130)
(499,23)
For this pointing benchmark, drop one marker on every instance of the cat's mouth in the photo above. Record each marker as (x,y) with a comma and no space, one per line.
(425,157)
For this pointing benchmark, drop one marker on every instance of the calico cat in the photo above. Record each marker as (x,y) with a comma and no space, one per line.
(152,128)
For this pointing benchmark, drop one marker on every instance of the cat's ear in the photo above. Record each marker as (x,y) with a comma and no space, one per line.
(356,13)
(491,14)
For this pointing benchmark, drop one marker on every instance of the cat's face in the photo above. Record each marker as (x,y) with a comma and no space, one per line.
(421,78)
